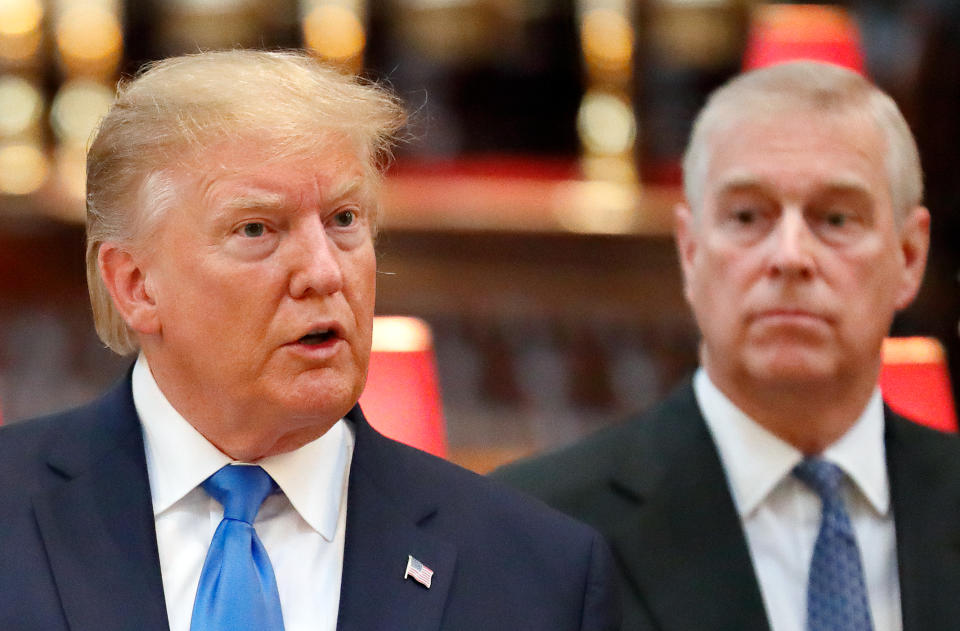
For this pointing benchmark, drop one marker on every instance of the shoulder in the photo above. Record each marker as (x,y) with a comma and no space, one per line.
(524,561)
(576,468)
(906,438)
(76,435)
(23,444)
(645,440)
(472,503)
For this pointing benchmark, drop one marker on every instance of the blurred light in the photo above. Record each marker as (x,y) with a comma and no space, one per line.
(619,169)
(696,35)
(399,334)
(915,380)
(210,6)
(596,207)
(780,33)
(71,161)
(21,106)
(607,39)
(402,393)
(696,3)
(334,32)
(606,123)
(19,17)
(23,168)
(435,4)
(89,39)
(20,28)
(77,108)
(188,25)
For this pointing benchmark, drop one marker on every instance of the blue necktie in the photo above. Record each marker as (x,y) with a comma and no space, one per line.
(836,592)
(237,590)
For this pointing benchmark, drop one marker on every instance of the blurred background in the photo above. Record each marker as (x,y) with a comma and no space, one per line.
(528,215)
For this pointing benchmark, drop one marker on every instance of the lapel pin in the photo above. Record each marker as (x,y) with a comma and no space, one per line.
(418,572)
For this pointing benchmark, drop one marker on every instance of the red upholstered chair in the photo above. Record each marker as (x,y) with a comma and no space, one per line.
(915,382)
(786,32)
(402,395)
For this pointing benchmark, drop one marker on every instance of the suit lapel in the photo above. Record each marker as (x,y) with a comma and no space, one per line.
(387,519)
(924,471)
(97,525)
(682,545)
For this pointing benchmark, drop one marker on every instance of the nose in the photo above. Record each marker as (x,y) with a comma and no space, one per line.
(315,266)
(792,245)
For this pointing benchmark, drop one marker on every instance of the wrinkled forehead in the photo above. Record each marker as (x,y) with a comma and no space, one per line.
(239,151)
(333,165)
(240,173)
(844,145)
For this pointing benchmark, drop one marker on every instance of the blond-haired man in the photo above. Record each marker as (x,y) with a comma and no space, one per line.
(775,490)
(230,481)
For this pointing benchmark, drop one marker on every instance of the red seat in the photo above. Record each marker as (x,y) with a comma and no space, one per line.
(402,395)
(915,381)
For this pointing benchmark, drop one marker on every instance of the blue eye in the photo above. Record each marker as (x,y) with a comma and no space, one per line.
(254,229)
(345,218)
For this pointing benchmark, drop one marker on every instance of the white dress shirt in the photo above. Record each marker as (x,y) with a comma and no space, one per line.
(302,528)
(781,515)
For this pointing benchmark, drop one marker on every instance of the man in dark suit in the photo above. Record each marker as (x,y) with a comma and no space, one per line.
(774,490)
(229,481)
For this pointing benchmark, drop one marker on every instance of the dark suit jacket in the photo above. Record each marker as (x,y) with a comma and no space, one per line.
(78,548)
(655,487)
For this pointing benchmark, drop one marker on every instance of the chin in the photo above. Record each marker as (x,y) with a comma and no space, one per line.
(321,398)
(792,367)
(796,362)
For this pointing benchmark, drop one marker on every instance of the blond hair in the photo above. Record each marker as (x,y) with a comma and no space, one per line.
(283,102)
(782,89)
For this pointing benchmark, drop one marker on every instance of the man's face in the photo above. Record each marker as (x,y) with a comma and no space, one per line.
(794,266)
(263,278)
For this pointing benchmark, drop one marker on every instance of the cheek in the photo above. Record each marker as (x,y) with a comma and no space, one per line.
(361,275)
(717,281)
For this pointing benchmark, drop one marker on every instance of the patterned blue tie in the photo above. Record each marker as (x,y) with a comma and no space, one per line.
(836,592)
(237,590)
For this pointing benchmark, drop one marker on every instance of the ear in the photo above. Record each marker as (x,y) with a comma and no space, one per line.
(914,245)
(686,238)
(126,280)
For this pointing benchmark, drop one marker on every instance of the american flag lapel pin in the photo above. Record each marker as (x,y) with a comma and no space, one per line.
(418,572)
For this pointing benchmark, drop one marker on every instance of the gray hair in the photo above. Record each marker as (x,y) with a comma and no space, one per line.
(805,86)
(283,101)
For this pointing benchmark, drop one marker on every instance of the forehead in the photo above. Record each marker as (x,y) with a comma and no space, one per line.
(799,153)
(247,173)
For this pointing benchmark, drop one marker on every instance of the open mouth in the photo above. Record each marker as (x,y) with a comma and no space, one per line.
(315,338)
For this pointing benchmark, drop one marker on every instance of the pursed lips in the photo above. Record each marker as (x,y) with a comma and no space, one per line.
(788,315)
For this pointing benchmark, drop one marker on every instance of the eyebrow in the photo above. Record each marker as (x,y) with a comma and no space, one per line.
(253,200)
(347,188)
(267,200)
(839,183)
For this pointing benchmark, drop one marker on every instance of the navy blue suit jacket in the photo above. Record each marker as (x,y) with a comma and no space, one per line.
(656,488)
(78,546)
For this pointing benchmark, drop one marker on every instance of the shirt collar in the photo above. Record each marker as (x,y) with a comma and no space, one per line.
(756,460)
(179,458)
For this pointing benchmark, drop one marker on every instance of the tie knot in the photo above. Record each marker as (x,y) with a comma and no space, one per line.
(821,476)
(241,490)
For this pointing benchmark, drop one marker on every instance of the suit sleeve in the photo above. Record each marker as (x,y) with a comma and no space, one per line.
(601,599)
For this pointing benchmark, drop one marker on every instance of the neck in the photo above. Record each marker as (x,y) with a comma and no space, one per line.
(257,447)
(248,430)
(810,415)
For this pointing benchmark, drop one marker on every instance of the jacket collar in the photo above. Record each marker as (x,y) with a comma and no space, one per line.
(97,522)
(681,545)
(389,512)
